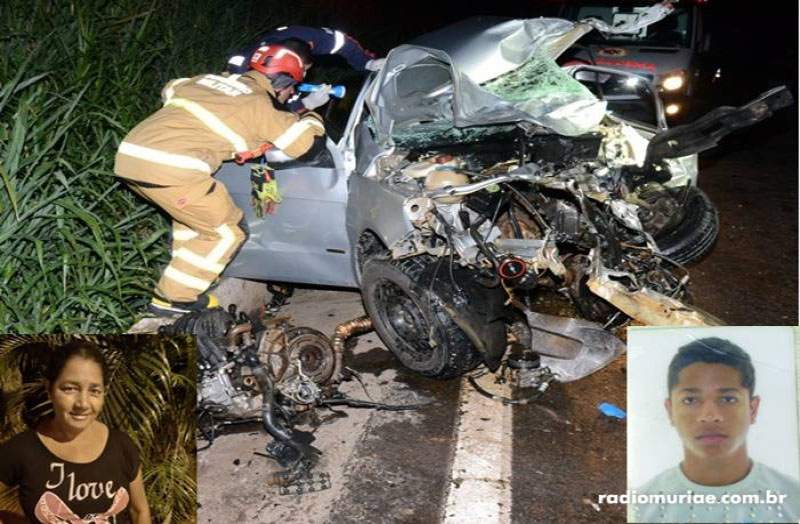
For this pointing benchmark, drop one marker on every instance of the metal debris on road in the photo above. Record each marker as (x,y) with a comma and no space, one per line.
(301,483)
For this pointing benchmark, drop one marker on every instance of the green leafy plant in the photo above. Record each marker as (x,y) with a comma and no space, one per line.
(78,251)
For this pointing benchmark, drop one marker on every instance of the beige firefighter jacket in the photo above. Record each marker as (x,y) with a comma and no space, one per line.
(206,120)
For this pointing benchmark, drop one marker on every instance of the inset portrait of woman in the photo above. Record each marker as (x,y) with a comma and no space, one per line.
(82,427)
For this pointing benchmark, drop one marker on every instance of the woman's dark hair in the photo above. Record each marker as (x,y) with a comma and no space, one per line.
(713,350)
(76,348)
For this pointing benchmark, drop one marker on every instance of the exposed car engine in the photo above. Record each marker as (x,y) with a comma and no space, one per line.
(270,372)
(522,216)
(518,211)
(265,370)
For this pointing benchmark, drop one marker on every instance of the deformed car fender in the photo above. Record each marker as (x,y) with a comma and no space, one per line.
(379,210)
(645,305)
(376,208)
(478,310)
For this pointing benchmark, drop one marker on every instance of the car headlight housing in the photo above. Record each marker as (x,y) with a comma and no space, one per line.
(674,80)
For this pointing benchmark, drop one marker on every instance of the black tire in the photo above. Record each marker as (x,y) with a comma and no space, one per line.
(692,235)
(407,316)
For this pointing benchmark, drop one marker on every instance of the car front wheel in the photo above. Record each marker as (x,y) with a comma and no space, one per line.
(688,226)
(410,319)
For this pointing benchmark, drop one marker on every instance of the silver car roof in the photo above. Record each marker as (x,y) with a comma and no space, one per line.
(436,80)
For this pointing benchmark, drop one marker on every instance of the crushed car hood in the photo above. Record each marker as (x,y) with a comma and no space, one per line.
(489,70)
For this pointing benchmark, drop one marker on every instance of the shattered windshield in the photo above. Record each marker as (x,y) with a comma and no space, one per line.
(539,87)
(537,91)
(444,83)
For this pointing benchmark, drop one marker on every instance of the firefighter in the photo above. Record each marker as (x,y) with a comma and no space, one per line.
(322,42)
(170,157)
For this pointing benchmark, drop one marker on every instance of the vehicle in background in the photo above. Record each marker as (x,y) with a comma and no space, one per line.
(674,53)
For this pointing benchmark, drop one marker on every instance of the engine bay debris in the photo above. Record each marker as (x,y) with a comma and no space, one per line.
(265,370)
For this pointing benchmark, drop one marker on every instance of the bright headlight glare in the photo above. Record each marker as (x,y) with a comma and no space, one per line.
(672,109)
(631,81)
(672,82)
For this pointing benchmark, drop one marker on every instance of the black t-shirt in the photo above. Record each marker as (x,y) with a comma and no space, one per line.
(52,490)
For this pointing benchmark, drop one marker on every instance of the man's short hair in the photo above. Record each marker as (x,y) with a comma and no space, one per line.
(713,350)
(301,47)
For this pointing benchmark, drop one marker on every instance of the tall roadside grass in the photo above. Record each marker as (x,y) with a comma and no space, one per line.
(78,251)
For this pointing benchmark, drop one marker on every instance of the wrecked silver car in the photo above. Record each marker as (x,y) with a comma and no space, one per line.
(474,176)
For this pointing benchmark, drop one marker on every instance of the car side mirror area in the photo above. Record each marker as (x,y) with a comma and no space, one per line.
(317,156)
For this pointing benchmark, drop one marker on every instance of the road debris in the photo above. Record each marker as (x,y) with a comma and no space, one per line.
(610,410)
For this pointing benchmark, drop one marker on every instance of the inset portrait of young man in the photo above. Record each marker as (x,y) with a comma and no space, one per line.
(718,442)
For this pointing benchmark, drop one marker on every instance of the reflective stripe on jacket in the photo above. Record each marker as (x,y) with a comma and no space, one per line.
(323,41)
(207,119)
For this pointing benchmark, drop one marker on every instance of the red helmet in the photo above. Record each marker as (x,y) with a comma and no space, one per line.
(275,59)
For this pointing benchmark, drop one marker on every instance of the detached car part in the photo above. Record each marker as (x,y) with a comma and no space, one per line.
(268,371)
(270,375)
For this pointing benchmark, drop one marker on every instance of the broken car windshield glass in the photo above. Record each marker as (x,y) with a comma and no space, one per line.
(539,88)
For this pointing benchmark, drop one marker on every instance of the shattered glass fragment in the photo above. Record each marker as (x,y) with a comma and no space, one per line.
(540,88)
(537,78)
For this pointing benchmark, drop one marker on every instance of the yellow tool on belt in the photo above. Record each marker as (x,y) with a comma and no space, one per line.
(265,192)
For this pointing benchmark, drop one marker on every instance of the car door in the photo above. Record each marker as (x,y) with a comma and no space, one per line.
(305,240)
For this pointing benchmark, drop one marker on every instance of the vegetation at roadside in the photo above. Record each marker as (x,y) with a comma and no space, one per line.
(78,251)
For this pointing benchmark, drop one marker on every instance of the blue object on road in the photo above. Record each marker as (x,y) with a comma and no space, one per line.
(610,410)
(337,91)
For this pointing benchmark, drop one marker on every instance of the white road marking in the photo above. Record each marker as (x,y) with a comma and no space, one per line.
(480,482)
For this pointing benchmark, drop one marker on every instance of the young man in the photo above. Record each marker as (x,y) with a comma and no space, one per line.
(711,404)
(170,158)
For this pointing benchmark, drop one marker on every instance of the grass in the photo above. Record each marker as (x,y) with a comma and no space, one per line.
(78,251)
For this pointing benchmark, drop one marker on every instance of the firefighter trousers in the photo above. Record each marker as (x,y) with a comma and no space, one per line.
(206,233)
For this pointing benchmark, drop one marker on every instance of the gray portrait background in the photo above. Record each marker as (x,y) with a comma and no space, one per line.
(653,443)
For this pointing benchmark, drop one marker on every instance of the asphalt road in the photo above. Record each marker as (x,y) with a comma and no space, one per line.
(750,277)
(396,467)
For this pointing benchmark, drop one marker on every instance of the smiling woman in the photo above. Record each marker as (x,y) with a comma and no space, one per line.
(88,424)
(70,464)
